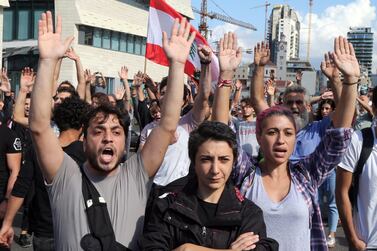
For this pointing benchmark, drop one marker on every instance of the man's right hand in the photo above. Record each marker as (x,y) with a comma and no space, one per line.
(27,79)
(261,54)
(49,43)
(245,241)
(358,245)
(6,235)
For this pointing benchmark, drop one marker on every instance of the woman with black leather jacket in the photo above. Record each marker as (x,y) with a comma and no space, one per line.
(209,213)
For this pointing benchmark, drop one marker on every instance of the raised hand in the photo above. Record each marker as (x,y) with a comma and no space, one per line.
(177,48)
(205,54)
(5,83)
(230,54)
(49,43)
(27,79)
(270,87)
(71,54)
(261,54)
(119,93)
(123,73)
(89,77)
(138,79)
(327,95)
(345,59)
(328,67)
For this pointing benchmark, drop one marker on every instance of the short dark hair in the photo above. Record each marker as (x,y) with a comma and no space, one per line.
(70,114)
(106,110)
(66,82)
(28,95)
(70,90)
(102,98)
(211,130)
(164,82)
(247,101)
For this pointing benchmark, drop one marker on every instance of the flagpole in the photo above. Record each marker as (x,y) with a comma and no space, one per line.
(145,64)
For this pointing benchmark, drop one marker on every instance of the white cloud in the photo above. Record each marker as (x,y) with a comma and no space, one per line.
(246,38)
(335,21)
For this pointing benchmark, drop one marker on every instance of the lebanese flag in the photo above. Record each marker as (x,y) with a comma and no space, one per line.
(161,18)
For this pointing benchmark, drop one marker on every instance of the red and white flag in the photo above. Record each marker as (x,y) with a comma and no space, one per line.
(161,18)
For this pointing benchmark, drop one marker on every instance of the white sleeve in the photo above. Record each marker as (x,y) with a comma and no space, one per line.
(352,154)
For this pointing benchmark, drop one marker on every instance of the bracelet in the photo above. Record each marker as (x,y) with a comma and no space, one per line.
(225,83)
(205,62)
(355,83)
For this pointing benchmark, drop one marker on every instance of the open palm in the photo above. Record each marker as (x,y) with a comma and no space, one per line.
(229,55)
(49,43)
(177,48)
(345,59)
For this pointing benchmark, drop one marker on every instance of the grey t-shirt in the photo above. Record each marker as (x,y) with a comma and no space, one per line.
(125,193)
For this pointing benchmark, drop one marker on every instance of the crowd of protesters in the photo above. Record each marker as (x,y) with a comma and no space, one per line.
(211,170)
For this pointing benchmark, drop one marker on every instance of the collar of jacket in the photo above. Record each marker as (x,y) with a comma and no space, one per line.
(228,211)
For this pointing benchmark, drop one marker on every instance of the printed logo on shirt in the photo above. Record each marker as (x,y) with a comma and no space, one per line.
(17,144)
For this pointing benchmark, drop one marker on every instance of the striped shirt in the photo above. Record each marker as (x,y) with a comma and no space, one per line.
(307,174)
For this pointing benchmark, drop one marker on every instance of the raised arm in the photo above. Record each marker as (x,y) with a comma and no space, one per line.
(123,75)
(346,61)
(71,54)
(229,59)
(201,108)
(89,80)
(177,49)
(261,58)
(56,75)
(26,85)
(51,49)
(329,68)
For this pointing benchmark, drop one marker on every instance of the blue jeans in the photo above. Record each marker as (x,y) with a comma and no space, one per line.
(328,189)
(43,243)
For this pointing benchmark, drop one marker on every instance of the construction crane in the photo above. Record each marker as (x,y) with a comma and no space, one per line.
(309,31)
(265,5)
(204,14)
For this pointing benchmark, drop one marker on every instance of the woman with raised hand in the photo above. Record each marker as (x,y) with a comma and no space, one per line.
(287,191)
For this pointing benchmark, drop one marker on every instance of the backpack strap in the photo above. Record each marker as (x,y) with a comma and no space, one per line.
(368,140)
(98,217)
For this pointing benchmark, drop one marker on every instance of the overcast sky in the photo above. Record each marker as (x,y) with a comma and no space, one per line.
(330,18)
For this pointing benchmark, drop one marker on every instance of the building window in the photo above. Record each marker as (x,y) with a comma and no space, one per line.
(130,44)
(113,40)
(23,24)
(8,25)
(97,34)
(123,42)
(106,39)
(36,15)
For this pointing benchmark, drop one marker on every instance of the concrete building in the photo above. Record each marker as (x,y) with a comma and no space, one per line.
(284,25)
(362,41)
(309,75)
(108,34)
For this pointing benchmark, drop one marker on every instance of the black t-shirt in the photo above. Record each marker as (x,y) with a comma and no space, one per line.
(9,143)
(206,212)
(76,151)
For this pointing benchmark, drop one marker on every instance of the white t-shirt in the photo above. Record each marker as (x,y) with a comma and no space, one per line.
(365,219)
(176,162)
(246,136)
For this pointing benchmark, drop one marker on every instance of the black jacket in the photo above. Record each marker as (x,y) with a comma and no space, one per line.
(175,221)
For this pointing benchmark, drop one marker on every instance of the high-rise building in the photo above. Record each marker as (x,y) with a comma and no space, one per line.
(362,41)
(284,25)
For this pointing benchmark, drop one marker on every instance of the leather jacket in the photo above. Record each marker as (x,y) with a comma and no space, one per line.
(174,221)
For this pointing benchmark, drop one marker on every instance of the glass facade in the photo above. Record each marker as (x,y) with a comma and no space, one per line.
(112,40)
(21,18)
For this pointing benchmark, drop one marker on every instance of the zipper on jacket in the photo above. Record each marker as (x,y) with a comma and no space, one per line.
(204,232)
